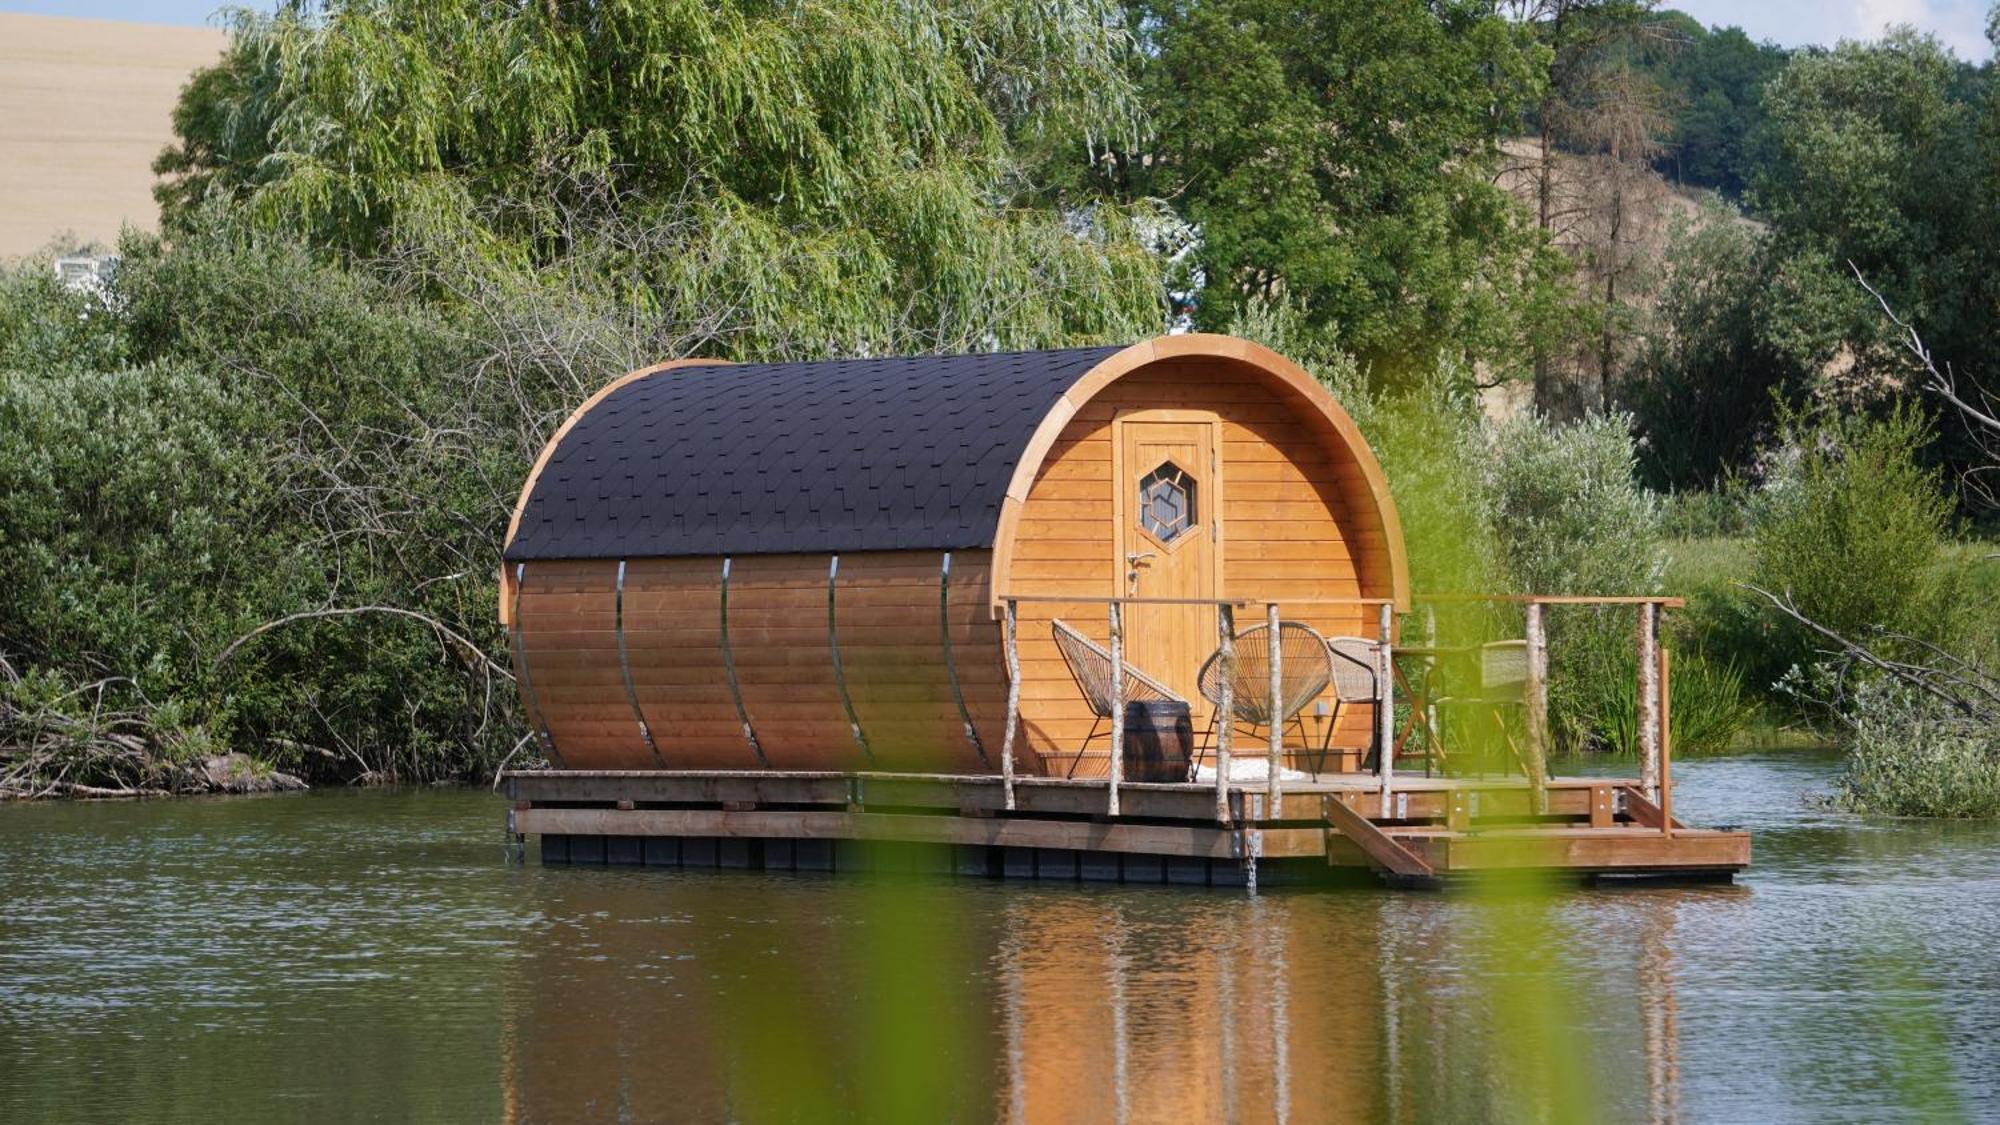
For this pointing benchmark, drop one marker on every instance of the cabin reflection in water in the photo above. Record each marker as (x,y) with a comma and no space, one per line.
(1048,1006)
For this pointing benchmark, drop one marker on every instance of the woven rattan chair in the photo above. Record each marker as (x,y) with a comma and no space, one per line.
(1090,665)
(1308,668)
(1353,681)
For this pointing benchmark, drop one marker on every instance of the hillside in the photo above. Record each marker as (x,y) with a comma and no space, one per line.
(85,106)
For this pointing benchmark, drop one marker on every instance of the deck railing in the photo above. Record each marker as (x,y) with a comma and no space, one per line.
(1654,689)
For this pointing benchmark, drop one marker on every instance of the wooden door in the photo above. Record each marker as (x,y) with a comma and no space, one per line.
(1167,510)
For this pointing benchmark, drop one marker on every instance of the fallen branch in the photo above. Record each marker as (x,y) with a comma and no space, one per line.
(502,767)
(1959,685)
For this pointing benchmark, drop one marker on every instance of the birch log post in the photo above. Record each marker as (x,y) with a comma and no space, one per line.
(1013,702)
(1385,705)
(1538,707)
(1649,700)
(1274,770)
(1117,707)
(1225,709)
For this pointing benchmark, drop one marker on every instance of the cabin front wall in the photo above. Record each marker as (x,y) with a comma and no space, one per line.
(1291,518)
(686,668)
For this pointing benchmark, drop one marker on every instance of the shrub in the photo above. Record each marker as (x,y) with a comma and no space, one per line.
(1852,528)
(291,435)
(1571,517)
(1912,757)
(1712,513)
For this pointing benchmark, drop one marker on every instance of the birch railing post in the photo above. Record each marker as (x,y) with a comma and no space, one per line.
(1117,706)
(1274,770)
(1649,700)
(1225,710)
(1666,743)
(1013,703)
(1538,708)
(1385,705)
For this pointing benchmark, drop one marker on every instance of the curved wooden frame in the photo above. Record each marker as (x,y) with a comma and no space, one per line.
(1336,426)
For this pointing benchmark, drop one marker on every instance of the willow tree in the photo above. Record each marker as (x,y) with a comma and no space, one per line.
(755,180)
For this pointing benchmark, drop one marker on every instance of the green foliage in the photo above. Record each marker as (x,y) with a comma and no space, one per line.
(1722,511)
(407,237)
(1340,156)
(1714,79)
(1598,706)
(831,178)
(1735,341)
(282,442)
(1573,519)
(1851,528)
(1433,447)
(1881,164)
(1909,757)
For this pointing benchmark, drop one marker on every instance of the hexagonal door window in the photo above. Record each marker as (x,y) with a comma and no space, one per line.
(1167,502)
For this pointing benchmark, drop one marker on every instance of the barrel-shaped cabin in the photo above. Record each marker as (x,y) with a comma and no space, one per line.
(804,566)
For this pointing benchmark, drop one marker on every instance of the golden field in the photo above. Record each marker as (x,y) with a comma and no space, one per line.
(85,106)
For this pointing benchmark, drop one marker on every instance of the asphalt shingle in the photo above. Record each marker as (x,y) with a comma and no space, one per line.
(766,458)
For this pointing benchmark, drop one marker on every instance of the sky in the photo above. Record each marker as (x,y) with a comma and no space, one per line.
(1960,24)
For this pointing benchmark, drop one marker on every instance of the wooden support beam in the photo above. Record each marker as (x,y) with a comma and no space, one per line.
(1666,743)
(1385,853)
(1602,811)
(1644,812)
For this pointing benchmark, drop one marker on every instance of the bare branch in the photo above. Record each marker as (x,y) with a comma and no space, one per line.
(444,632)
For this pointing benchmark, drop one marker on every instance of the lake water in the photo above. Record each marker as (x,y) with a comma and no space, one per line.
(376,955)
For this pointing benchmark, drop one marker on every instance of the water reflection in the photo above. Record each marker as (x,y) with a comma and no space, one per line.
(372,956)
(1098,1005)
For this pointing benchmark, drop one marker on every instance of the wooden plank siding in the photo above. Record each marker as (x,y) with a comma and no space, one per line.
(1293,527)
(890,621)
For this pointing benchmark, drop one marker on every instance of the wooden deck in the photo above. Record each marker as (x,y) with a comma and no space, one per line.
(1432,831)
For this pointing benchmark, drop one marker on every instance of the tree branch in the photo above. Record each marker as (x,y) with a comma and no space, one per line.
(445,633)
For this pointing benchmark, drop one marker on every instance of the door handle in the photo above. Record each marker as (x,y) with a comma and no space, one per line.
(1132,561)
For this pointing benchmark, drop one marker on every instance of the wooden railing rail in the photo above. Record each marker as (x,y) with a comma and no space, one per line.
(1654,689)
(1274,788)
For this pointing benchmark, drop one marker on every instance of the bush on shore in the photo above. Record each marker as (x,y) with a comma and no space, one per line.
(1912,757)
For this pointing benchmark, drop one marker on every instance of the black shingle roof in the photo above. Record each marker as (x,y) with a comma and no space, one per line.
(846,455)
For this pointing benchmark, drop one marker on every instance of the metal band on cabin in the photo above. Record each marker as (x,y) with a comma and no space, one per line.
(839,673)
(729,666)
(950,665)
(625,669)
(528,701)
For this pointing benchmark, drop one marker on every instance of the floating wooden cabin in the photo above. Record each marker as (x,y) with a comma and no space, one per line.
(795,566)
(743,598)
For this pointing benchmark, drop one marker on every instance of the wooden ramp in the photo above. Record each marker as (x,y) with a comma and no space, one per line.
(1427,832)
